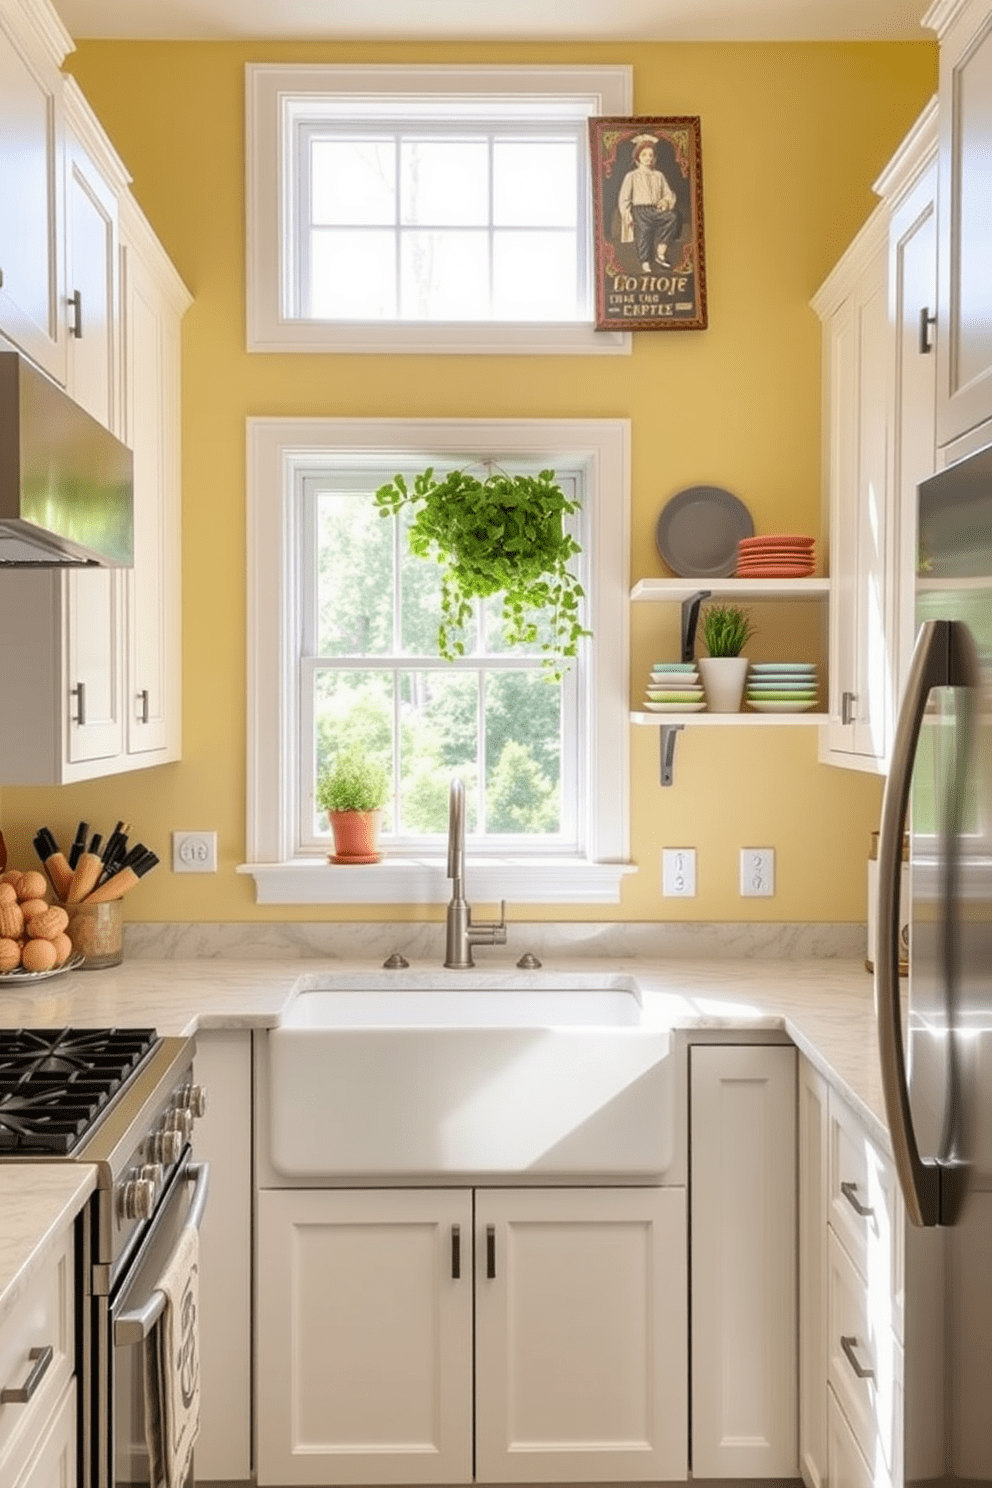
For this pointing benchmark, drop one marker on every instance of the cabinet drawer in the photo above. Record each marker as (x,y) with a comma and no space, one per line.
(42,1319)
(52,1461)
(847,1466)
(865,1209)
(865,1368)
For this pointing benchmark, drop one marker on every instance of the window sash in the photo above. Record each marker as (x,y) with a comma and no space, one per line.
(299,224)
(309,485)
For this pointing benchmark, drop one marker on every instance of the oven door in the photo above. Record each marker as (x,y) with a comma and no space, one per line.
(135,1308)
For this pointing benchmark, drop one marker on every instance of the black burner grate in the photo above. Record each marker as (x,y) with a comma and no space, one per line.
(54,1083)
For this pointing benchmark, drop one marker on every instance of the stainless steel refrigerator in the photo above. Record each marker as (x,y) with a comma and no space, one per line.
(935,1041)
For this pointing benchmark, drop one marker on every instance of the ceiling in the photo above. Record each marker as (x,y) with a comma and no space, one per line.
(497,20)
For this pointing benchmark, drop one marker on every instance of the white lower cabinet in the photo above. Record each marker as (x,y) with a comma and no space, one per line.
(387,1318)
(743,1230)
(37,1363)
(813,1188)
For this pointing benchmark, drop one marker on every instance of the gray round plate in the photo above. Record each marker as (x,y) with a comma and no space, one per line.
(698,532)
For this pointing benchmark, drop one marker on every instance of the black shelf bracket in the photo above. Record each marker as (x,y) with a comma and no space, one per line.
(669,731)
(690,619)
(667,734)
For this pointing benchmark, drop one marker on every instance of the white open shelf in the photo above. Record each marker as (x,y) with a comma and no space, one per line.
(727,720)
(675,591)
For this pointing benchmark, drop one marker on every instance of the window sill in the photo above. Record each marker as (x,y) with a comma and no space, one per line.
(424,881)
(437,338)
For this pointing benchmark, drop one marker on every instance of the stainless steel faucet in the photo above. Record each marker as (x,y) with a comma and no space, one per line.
(462,935)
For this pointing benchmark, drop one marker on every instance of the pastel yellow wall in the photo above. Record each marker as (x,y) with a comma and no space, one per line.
(792,138)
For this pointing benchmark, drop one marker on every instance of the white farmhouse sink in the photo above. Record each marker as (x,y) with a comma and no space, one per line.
(444,1074)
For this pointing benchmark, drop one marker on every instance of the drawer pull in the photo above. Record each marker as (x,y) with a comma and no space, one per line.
(850,1192)
(41,1357)
(849,1345)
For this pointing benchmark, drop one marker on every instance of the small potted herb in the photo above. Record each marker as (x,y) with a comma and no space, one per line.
(727,629)
(353,791)
(501,535)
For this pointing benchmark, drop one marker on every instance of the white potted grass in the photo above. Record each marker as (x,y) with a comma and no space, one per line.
(727,629)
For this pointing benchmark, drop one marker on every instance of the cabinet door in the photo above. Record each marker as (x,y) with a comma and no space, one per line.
(743,1226)
(812,1128)
(93,617)
(861,682)
(965,328)
(91,287)
(364,1342)
(581,1355)
(31,167)
(912,300)
(151,366)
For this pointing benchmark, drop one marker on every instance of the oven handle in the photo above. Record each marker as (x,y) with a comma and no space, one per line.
(131,1327)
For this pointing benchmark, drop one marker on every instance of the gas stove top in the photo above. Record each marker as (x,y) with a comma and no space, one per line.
(56,1083)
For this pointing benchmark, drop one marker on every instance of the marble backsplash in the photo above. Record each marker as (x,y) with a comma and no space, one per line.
(375,940)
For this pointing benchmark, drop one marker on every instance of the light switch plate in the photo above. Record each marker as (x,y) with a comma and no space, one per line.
(678,872)
(757,872)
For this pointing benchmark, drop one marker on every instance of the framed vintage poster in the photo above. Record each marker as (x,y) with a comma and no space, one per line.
(647,190)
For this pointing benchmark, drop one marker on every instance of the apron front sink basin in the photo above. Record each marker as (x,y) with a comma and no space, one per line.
(469,1075)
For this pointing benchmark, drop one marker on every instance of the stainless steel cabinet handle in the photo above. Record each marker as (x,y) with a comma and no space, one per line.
(849,1344)
(42,1358)
(456,1252)
(76,306)
(490,1252)
(847,702)
(944,656)
(850,1192)
(79,693)
(143,699)
(926,321)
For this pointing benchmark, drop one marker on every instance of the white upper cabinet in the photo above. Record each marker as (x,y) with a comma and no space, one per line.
(154,300)
(95,179)
(853,307)
(879,337)
(99,688)
(32,271)
(964,342)
(909,190)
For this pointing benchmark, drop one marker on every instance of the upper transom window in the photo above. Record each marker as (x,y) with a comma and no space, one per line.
(424,209)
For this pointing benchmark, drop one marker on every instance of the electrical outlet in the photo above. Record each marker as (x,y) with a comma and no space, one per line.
(678,872)
(194,852)
(757,872)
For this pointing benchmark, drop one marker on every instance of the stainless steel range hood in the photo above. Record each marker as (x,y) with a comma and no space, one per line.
(66,483)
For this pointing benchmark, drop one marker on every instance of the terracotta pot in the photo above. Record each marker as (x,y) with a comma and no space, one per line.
(356,836)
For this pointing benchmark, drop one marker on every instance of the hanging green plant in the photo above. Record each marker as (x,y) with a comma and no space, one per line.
(501,535)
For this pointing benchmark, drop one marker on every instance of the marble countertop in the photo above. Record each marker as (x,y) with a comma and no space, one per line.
(37,1202)
(824,1005)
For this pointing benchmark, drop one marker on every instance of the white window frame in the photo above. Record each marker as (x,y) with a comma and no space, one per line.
(273,94)
(278,449)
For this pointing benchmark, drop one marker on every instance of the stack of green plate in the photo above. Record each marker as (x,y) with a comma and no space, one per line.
(674,687)
(782,686)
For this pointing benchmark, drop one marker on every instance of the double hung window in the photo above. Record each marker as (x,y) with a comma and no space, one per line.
(343,650)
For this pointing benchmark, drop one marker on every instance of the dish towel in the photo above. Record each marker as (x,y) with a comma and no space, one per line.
(172,1369)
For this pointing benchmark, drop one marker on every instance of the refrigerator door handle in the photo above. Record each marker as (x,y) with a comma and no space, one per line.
(944,657)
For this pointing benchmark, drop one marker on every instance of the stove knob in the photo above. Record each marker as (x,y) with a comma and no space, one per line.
(180,1121)
(167,1146)
(138,1199)
(194,1098)
(153,1174)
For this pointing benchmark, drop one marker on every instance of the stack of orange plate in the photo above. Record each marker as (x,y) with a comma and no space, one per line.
(780,555)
